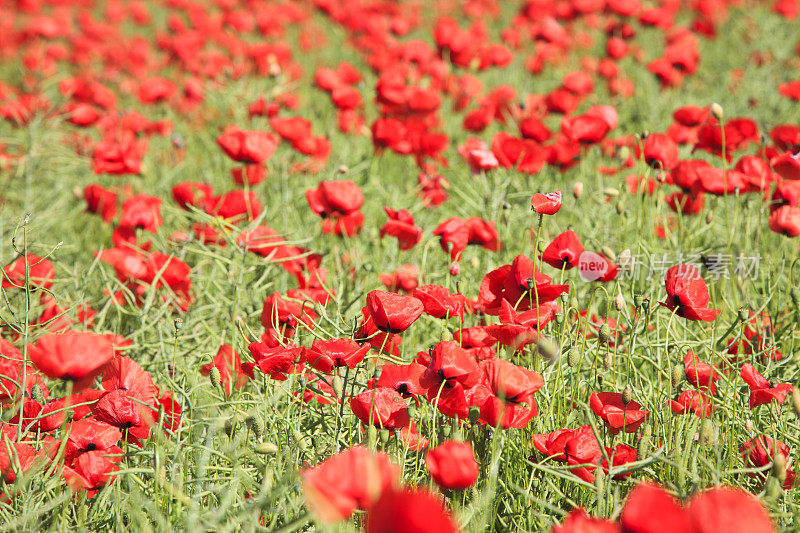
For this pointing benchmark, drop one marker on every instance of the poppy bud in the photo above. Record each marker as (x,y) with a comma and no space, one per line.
(343,169)
(266,448)
(620,207)
(384,435)
(779,467)
(36,394)
(599,478)
(77,192)
(796,402)
(748,425)
(625,259)
(227,427)
(604,334)
(627,394)
(611,192)
(178,323)
(638,300)
(709,217)
(215,377)
(623,154)
(302,445)
(573,357)
(643,447)
(609,253)
(744,314)
(600,380)
(412,411)
(677,375)
(506,206)
(541,247)
(338,386)
(774,489)
(619,302)
(577,191)
(474,414)
(547,348)
(707,433)
(256,425)
(607,361)
(716,111)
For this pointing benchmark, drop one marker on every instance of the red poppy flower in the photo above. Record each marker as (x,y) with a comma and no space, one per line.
(450,363)
(384,407)
(564,252)
(687,294)
(100,201)
(335,197)
(230,368)
(727,509)
(251,147)
(410,436)
(660,151)
(455,234)
(615,414)
(785,220)
(40,273)
(452,465)
(547,203)
(275,361)
(439,302)
(762,391)
(692,401)
(517,283)
(392,312)
(325,355)
(126,412)
(405,278)
(647,501)
(401,226)
(585,129)
(353,479)
(123,157)
(92,471)
(698,373)
(787,165)
(11,373)
(22,454)
(405,379)
(76,356)
(410,510)
(88,435)
(579,522)
(760,452)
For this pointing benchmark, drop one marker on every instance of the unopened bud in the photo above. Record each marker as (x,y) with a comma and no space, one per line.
(541,247)
(642,448)
(215,377)
(573,357)
(338,386)
(779,467)
(795,295)
(796,402)
(256,425)
(455,269)
(474,414)
(577,191)
(619,302)
(384,435)
(677,375)
(604,334)
(716,111)
(546,348)
(343,169)
(627,394)
(625,259)
(36,394)
(620,207)
(709,217)
(607,361)
(300,439)
(773,489)
(707,433)
(611,192)
(266,448)
(623,154)
(599,478)
(446,430)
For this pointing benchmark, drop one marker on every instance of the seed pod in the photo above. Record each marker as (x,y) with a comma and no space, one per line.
(215,377)
(646,303)
(266,448)
(604,333)
(717,111)
(619,302)
(474,414)
(573,357)
(384,435)
(564,298)
(677,375)
(743,314)
(558,318)
(638,300)
(178,323)
(627,394)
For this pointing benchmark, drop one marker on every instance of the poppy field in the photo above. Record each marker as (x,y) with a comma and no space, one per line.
(400,266)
